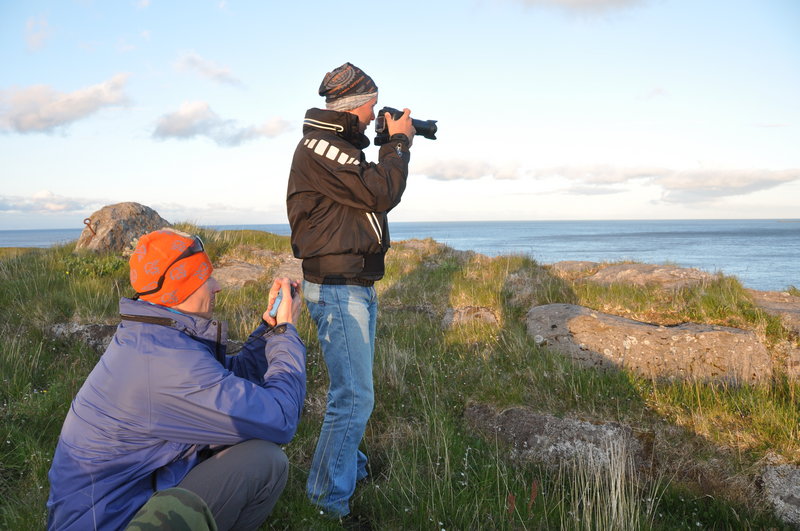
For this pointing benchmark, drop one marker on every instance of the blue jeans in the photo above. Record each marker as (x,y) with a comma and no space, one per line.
(346,317)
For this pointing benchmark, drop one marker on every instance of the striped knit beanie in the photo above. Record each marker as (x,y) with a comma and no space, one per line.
(347,88)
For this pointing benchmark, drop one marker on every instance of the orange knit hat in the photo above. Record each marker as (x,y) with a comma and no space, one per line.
(168,266)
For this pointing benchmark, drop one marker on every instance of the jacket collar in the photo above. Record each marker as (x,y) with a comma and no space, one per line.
(212,331)
(342,124)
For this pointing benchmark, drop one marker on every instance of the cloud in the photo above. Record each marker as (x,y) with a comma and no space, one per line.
(37,31)
(41,109)
(598,174)
(583,5)
(142,4)
(592,190)
(197,119)
(44,202)
(191,61)
(453,170)
(706,185)
(677,186)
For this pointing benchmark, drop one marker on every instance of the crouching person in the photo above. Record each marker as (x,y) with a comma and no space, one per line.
(165,408)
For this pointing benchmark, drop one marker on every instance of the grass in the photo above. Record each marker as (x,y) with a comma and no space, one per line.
(430,470)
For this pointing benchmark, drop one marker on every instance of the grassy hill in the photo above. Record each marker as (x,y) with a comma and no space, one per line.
(430,470)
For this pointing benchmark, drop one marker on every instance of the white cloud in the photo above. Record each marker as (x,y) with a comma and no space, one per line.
(142,4)
(598,174)
(197,119)
(706,185)
(44,202)
(592,190)
(37,31)
(41,109)
(191,61)
(677,186)
(452,170)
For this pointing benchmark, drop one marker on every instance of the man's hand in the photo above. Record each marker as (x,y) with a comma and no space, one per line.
(289,309)
(401,125)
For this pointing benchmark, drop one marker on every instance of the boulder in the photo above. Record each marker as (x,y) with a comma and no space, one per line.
(551,440)
(273,263)
(685,351)
(237,273)
(116,227)
(666,276)
(468,315)
(782,489)
(283,264)
(781,304)
(96,336)
(569,268)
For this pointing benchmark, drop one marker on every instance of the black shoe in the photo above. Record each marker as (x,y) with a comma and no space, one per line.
(355,522)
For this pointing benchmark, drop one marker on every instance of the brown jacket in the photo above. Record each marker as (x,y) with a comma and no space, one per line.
(337,201)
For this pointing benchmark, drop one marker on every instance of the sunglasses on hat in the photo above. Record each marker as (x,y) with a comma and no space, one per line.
(193,249)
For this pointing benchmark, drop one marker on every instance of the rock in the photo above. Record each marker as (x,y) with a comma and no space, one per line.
(552,440)
(96,336)
(780,304)
(236,274)
(285,265)
(789,353)
(274,263)
(115,227)
(523,286)
(666,276)
(691,351)
(568,268)
(468,315)
(782,490)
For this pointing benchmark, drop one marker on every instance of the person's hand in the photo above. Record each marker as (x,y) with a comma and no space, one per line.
(289,309)
(401,125)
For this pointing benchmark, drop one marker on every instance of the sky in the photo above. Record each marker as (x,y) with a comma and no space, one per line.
(547,109)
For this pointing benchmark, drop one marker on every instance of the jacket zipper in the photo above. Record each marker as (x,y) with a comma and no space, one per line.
(376,226)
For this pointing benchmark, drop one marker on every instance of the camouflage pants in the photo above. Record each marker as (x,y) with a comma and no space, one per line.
(173,510)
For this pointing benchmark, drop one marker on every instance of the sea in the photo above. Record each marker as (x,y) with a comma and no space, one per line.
(762,254)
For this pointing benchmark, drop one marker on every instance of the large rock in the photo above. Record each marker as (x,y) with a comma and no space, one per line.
(236,274)
(96,336)
(666,276)
(780,304)
(782,490)
(115,227)
(552,440)
(692,351)
(247,264)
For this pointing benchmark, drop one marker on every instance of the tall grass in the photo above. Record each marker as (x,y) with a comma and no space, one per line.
(606,491)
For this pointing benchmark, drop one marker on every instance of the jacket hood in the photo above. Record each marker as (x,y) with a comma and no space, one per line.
(342,124)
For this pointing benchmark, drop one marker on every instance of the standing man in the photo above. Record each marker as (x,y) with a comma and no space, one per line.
(165,407)
(337,204)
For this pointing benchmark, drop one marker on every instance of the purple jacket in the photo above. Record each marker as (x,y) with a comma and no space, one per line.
(161,392)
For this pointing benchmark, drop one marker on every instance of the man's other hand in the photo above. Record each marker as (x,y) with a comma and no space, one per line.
(289,309)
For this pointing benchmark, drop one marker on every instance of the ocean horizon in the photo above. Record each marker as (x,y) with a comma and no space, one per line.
(762,254)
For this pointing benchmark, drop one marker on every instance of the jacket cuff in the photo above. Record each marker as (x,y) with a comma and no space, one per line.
(399,137)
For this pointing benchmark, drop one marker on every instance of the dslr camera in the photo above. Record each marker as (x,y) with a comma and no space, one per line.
(425,128)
